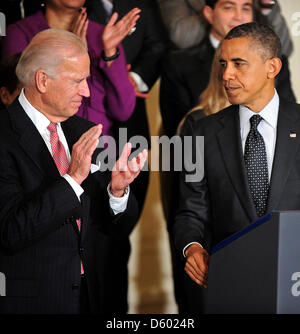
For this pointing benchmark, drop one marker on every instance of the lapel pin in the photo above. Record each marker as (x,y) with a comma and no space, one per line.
(293,135)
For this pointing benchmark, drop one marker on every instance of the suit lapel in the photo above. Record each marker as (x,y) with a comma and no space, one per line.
(31,141)
(34,146)
(72,133)
(285,151)
(229,139)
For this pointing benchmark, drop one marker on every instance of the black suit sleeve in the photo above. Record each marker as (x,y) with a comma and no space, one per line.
(192,217)
(175,96)
(26,217)
(154,44)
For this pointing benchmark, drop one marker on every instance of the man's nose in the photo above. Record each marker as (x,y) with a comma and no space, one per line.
(239,16)
(84,89)
(228,72)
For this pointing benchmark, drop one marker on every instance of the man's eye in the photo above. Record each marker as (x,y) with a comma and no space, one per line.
(223,64)
(247,9)
(228,7)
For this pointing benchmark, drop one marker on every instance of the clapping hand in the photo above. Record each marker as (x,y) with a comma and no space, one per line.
(83,149)
(125,171)
(80,24)
(114,32)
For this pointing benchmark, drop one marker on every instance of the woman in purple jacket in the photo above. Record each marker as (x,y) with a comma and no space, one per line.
(112,96)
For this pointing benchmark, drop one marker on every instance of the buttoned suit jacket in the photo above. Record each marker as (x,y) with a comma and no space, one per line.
(40,244)
(220,204)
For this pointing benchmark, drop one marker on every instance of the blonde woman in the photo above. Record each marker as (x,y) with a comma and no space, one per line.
(213,98)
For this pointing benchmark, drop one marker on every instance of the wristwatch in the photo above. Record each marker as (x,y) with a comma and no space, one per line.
(115,56)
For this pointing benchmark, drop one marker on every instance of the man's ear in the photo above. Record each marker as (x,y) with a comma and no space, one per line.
(208,14)
(41,81)
(5,96)
(274,67)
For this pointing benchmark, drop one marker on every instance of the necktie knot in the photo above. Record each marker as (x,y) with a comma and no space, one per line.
(52,127)
(254,121)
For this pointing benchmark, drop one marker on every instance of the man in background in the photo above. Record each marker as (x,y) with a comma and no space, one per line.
(187,26)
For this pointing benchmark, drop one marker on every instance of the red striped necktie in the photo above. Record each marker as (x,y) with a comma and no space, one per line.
(60,158)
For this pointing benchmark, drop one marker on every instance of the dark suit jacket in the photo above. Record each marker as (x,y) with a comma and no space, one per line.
(185,75)
(40,245)
(221,204)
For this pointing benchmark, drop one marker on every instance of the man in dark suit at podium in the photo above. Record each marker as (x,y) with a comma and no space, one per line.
(251,151)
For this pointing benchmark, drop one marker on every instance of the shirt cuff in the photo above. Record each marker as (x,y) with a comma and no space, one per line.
(185,248)
(142,86)
(75,186)
(118,204)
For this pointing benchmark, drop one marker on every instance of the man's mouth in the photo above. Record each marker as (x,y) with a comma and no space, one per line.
(77,102)
(231,89)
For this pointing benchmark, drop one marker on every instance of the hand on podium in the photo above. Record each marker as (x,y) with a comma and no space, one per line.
(196,265)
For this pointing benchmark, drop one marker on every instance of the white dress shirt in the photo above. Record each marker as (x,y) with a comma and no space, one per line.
(214,42)
(41,122)
(267,127)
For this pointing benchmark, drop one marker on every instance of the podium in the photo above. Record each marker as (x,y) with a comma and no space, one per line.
(257,270)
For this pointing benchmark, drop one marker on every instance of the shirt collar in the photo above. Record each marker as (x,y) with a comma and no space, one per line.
(269,113)
(215,43)
(40,121)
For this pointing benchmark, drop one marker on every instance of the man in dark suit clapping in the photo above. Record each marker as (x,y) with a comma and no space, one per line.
(55,205)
